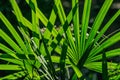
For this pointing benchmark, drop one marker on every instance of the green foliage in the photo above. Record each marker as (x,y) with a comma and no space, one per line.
(53,52)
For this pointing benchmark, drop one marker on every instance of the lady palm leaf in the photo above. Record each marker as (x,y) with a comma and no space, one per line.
(8,51)
(97,66)
(35,22)
(12,30)
(20,19)
(109,54)
(98,21)
(11,59)
(76,24)
(14,75)
(9,67)
(112,40)
(85,22)
(107,25)
(10,42)
(104,66)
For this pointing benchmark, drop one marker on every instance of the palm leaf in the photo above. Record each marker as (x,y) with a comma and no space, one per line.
(97,66)
(98,21)
(14,76)
(107,25)
(112,40)
(12,30)
(104,66)
(8,51)
(85,22)
(9,67)
(76,24)
(35,22)
(21,22)
(109,54)
(10,42)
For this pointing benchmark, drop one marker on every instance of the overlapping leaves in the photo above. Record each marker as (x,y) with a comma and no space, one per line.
(32,56)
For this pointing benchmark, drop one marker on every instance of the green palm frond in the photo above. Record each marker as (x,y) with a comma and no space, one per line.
(58,52)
